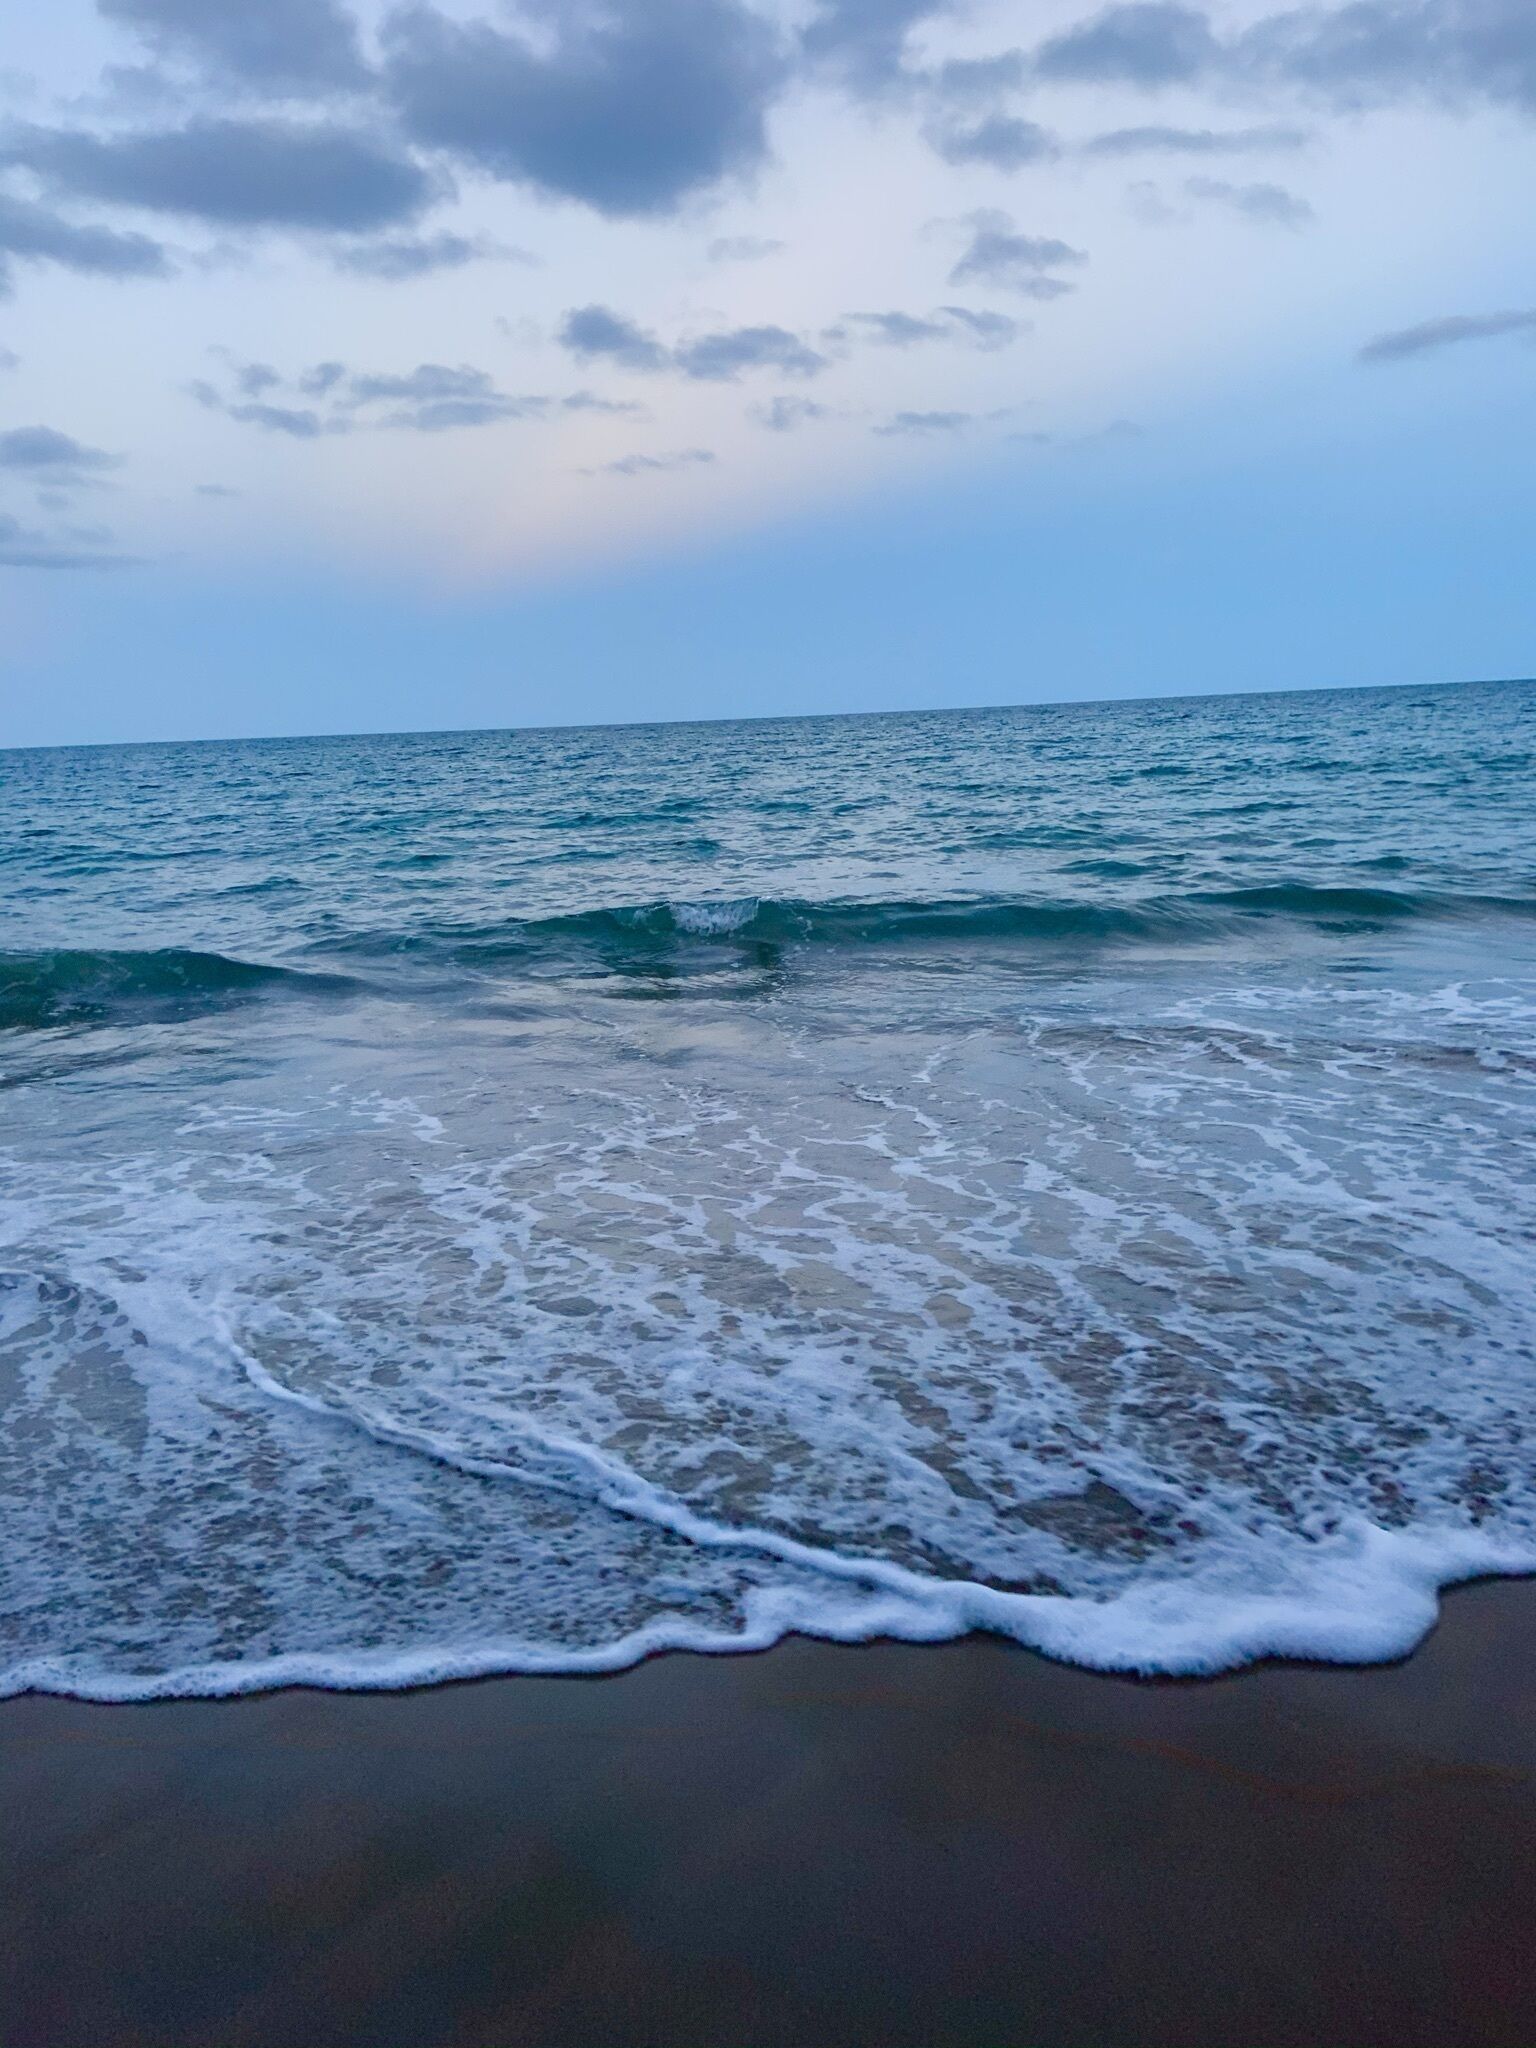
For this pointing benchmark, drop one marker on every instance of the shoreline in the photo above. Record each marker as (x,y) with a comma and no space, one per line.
(1368,1632)
(887,1843)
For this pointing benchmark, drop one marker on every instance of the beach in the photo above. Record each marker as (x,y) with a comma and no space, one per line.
(884,1844)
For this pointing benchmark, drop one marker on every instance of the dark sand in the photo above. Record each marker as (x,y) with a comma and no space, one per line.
(820,1845)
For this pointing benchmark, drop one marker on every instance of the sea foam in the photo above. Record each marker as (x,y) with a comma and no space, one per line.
(635,1192)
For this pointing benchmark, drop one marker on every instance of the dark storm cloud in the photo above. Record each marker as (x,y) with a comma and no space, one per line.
(235,173)
(997,253)
(1446,333)
(1270,205)
(1157,141)
(720,358)
(34,234)
(407,256)
(45,453)
(629,112)
(596,331)
(284,47)
(1004,141)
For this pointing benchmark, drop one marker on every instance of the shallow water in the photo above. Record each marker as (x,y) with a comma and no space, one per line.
(516,1200)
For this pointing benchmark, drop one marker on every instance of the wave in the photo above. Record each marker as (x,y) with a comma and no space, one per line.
(49,990)
(1367,1594)
(72,987)
(635,936)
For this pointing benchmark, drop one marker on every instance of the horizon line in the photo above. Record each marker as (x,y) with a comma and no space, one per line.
(766,717)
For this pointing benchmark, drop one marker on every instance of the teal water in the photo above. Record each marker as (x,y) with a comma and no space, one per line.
(519,1200)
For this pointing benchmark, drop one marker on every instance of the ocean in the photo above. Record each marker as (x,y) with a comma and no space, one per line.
(519,1201)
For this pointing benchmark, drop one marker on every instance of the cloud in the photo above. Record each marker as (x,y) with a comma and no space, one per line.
(784,415)
(965,80)
(300,423)
(235,173)
(9,360)
(409,256)
(1378,51)
(986,330)
(1001,140)
(590,401)
(34,234)
(719,358)
(79,548)
(286,47)
(1271,205)
(1149,43)
(434,397)
(947,323)
(426,381)
(592,332)
(643,465)
(998,253)
(279,419)
(926,423)
(628,112)
(1193,141)
(862,42)
(742,248)
(214,491)
(891,330)
(45,453)
(1364,53)
(430,399)
(1446,333)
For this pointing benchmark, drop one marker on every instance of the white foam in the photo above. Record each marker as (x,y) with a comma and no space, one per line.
(713,920)
(1156,1336)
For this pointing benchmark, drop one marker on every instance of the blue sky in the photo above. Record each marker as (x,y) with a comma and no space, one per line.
(470,364)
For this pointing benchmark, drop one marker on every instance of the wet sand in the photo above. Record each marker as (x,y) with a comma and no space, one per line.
(820,1845)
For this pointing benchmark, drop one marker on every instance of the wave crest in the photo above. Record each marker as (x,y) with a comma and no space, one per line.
(634,936)
(49,990)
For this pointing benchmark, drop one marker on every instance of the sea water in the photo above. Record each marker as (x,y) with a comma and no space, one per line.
(521,1200)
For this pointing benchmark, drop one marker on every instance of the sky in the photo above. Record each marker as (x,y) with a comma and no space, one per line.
(399,366)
